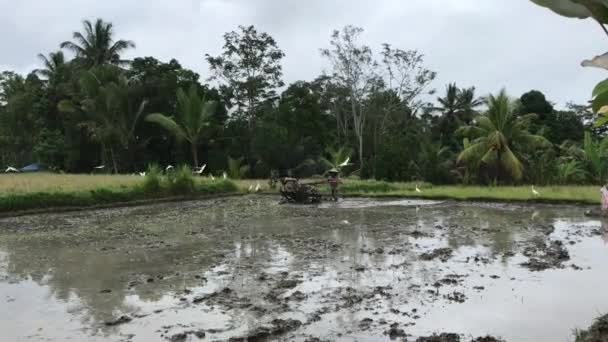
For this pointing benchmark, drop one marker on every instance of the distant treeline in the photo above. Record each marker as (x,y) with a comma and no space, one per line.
(96,108)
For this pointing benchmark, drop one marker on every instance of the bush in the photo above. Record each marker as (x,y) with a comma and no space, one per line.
(152,181)
(181,181)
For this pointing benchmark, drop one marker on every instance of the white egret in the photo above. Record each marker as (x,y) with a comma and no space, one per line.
(212,178)
(99,167)
(345,222)
(345,162)
(200,170)
(534,192)
(143,174)
(11,169)
(250,188)
(169,168)
(258,187)
(418,190)
(225,175)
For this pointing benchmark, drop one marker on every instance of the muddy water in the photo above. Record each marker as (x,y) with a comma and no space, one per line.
(359,270)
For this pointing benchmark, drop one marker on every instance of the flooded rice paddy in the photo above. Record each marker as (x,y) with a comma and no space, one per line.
(248,268)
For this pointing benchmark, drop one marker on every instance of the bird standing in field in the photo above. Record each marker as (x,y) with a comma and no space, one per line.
(258,187)
(225,175)
(250,188)
(143,174)
(418,190)
(200,170)
(169,168)
(212,178)
(534,192)
(11,169)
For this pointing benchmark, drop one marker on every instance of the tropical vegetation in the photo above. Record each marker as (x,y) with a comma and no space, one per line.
(375,114)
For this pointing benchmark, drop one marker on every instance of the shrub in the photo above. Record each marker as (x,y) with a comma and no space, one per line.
(152,180)
(181,181)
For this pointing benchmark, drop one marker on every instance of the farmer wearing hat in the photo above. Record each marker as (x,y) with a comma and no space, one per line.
(333,179)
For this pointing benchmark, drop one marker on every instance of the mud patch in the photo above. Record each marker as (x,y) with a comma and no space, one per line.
(545,256)
(445,337)
(443,254)
(276,328)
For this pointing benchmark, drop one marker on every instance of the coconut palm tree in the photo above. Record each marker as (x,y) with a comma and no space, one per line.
(111,114)
(336,157)
(449,102)
(458,103)
(498,138)
(54,65)
(193,115)
(96,46)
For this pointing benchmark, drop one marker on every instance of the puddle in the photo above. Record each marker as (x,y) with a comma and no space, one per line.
(356,270)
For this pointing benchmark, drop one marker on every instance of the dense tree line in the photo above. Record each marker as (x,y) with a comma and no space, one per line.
(377,107)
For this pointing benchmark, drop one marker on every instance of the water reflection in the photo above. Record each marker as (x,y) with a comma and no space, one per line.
(145,261)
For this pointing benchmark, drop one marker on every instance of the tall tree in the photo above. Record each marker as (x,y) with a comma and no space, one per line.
(250,68)
(457,107)
(499,138)
(192,117)
(96,45)
(355,69)
(54,66)
(110,112)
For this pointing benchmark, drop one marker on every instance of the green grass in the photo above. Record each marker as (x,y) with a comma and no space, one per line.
(40,190)
(569,194)
(44,190)
(572,194)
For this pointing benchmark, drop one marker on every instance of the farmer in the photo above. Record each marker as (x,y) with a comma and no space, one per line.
(333,179)
(604,192)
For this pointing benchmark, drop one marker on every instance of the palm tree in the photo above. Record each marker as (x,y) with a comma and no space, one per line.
(449,103)
(336,157)
(467,104)
(111,114)
(54,65)
(499,138)
(192,117)
(458,103)
(97,46)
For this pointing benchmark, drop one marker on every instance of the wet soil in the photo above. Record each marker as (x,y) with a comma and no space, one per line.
(248,269)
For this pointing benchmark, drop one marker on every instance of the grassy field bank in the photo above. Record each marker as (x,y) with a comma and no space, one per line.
(548,194)
(44,190)
(34,191)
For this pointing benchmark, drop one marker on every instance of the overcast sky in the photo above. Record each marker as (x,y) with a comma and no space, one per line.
(484,43)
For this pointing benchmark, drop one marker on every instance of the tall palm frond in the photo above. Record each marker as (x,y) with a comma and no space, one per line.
(96,46)
(190,121)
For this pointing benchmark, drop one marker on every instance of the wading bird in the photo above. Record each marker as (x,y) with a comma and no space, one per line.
(212,178)
(418,190)
(250,188)
(225,175)
(258,187)
(534,192)
(143,174)
(200,170)
(345,162)
(11,169)
(169,168)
